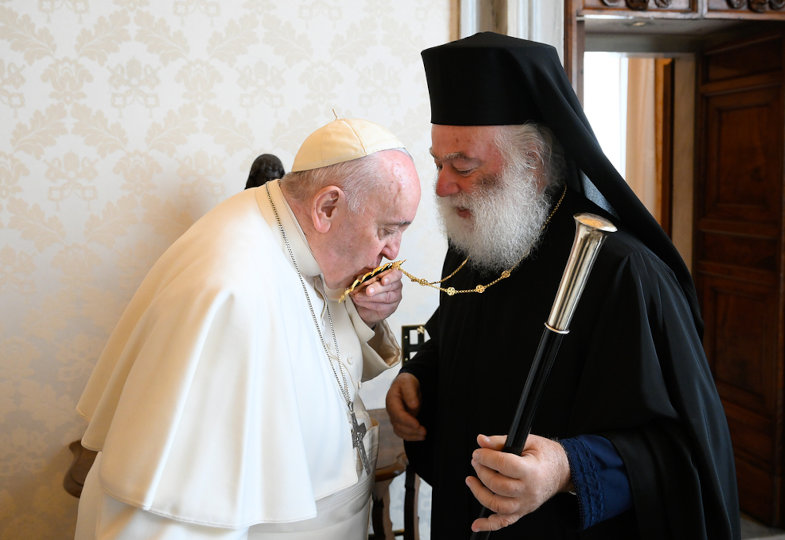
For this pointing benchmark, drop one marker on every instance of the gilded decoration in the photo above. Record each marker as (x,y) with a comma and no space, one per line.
(758,6)
(637,5)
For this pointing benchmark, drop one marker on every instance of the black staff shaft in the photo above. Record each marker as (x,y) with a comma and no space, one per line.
(550,341)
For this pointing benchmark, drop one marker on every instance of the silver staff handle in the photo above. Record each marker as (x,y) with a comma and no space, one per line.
(590,233)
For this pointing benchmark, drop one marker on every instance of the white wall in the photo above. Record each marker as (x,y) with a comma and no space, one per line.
(122,122)
(536,20)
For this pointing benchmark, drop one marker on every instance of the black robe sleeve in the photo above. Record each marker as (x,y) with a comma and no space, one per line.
(672,434)
(424,365)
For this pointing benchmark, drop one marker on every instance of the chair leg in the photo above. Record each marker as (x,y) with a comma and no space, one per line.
(411,521)
(380,512)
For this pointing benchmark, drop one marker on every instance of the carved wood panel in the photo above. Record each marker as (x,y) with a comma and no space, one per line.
(641,5)
(747,6)
(710,8)
(740,341)
(637,4)
(742,156)
(741,331)
(738,256)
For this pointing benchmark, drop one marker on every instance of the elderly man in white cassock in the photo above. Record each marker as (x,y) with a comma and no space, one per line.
(225,404)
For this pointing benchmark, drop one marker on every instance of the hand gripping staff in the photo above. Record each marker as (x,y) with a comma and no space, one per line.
(590,233)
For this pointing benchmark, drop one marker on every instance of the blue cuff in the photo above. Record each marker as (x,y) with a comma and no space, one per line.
(600,480)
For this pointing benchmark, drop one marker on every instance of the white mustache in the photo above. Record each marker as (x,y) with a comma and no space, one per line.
(507,217)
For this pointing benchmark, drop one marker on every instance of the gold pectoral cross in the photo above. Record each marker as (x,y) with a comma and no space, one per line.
(358,433)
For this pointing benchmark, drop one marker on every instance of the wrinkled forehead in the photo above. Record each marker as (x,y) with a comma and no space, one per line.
(463,142)
(396,192)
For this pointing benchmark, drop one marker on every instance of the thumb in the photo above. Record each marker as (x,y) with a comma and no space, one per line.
(496,442)
(411,397)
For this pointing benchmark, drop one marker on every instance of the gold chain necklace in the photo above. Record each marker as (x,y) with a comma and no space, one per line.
(479,288)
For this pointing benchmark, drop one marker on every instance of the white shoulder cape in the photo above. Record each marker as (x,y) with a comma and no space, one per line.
(213,401)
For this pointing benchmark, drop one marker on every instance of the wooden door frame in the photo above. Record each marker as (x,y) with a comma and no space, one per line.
(574,49)
(574,45)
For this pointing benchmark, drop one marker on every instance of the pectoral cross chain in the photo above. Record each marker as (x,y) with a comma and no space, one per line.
(358,430)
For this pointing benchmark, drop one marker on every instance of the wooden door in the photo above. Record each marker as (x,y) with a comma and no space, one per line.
(738,255)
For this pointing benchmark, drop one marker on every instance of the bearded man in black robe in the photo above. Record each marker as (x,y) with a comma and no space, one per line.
(630,438)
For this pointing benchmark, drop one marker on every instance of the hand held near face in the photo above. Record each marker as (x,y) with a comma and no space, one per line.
(365,278)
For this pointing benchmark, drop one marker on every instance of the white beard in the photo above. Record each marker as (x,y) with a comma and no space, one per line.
(507,216)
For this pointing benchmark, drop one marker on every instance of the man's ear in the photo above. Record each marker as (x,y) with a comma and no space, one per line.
(327,204)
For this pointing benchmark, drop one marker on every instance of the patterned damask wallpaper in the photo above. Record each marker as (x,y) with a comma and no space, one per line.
(123,121)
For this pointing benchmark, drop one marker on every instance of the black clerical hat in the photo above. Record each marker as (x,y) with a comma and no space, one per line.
(481,80)
(493,79)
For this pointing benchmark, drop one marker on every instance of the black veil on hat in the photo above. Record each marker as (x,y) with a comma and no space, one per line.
(492,79)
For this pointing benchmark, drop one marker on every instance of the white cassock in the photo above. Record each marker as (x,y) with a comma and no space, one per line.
(214,407)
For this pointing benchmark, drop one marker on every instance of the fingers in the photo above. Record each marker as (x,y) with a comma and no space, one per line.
(513,485)
(403,404)
(379,298)
(489,456)
(409,430)
(386,287)
(494,522)
(500,472)
(536,451)
(505,510)
(409,388)
(406,426)
(503,495)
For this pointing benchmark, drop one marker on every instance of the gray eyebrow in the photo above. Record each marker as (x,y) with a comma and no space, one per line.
(398,223)
(453,155)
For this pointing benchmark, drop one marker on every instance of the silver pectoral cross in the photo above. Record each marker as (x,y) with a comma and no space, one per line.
(358,433)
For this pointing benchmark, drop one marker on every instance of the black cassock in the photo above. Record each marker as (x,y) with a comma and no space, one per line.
(631,369)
